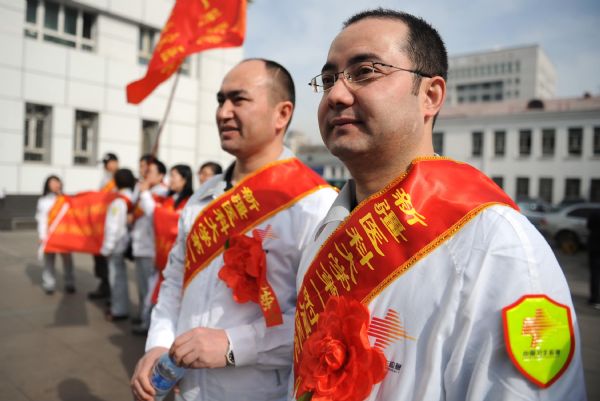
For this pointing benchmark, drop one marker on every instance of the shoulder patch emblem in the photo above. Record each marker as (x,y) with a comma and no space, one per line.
(539,337)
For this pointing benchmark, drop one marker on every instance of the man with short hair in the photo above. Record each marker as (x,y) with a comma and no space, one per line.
(424,281)
(116,238)
(225,310)
(148,190)
(110,164)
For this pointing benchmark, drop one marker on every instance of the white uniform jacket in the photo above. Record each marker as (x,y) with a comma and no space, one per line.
(44,204)
(450,307)
(142,233)
(116,236)
(263,356)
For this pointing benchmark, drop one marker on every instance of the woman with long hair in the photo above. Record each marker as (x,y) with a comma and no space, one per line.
(180,184)
(52,190)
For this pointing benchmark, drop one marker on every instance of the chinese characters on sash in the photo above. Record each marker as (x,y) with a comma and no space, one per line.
(253,200)
(388,232)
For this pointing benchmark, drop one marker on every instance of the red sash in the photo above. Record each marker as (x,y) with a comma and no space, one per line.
(76,222)
(166,218)
(253,200)
(110,186)
(389,232)
(137,210)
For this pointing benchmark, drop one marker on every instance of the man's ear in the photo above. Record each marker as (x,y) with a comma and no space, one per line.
(435,94)
(284,111)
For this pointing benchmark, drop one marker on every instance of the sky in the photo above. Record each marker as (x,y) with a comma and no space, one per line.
(297,34)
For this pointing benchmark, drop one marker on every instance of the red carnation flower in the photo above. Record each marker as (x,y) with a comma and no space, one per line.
(245,266)
(338,362)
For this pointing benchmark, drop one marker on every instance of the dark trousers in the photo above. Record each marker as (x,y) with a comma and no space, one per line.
(101,269)
(594,277)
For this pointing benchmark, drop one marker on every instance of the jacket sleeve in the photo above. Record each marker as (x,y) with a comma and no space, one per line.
(115,226)
(266,347)
(506,260)
(166,312)
(147,203)
(41,216)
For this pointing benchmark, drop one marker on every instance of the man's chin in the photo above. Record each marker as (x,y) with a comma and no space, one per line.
(345,151)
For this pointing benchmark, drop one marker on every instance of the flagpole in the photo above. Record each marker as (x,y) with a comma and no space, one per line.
(166,115)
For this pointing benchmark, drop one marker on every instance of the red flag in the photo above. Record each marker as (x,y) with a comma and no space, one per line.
(76,223)
(194,25)
(166,218)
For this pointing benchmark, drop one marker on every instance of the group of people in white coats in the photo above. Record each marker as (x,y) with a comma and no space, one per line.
(128,232)
(420,280)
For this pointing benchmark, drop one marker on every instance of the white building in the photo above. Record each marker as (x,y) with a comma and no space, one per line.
(548,149)
(513,73)
(63,72)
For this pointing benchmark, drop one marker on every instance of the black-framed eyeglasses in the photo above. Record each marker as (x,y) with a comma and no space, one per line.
(359,72)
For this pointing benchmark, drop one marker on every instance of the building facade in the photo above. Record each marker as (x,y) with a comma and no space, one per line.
(513,73)
(63,73)
(542,149)
(539,149)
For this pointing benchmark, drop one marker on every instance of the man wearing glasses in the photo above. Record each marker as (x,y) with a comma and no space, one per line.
(424,279)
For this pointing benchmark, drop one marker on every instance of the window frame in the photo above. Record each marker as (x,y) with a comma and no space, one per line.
(89,120)
(518,188)
(525,139)
(34,114)
(500,138)
(477,146)
(572,134)
(547,134)
(38,31)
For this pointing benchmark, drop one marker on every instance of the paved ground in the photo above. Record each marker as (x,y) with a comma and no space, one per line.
(60,348)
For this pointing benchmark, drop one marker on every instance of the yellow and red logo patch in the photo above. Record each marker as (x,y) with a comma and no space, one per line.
(539,337)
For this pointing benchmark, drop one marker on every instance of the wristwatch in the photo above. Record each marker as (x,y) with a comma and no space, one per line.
(229,358)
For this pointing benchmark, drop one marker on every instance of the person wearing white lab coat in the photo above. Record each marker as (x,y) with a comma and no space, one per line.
(116,238)
(52,189)
(230,352)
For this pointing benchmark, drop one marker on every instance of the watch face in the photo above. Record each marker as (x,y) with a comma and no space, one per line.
(230,359)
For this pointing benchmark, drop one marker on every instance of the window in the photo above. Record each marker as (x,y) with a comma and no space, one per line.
(525,142)
(545,189)
(59,23)
(522,187)
(38,121)
(548,135)
(482,91)
(582,212)
(572,189)
(477,143)
(499,181)
(438,142)
(595,190)
(149,134)
(499,143)
(147,41)
(575,139)
(85,139)
(596,141)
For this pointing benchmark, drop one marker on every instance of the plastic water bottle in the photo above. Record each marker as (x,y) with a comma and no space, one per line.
(165,375)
